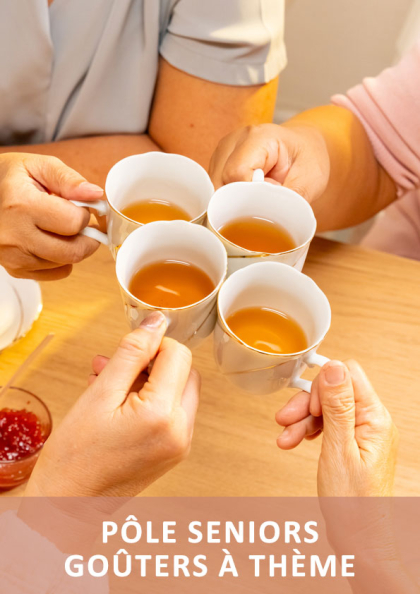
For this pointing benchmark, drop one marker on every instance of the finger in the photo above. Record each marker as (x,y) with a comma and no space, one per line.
(364,393)
(373,421)
(60,249)
(219,158)
(314,436)
(133,355)
(315,403)
(99,363)
(293,435)
(338,405)
(16,258)
(295,410)
(42,275)
(190,398)
(60,179)
(169,375)
(58,216)
(92,377)
(252,154)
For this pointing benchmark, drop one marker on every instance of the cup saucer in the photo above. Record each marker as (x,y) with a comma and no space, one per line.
(10,314)
(20,306)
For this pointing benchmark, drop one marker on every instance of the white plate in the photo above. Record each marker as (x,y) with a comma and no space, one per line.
(20,306)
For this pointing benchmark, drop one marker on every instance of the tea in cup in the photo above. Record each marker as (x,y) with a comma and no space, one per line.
(176,268)
(151,187)
(271,321)
(170,284)
(261,222)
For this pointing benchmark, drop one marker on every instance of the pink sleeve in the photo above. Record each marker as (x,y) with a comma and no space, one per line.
(389,108)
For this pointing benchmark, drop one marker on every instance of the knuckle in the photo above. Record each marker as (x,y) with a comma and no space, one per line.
(339,403)
(174,442)
(75,256)
(133,345)
(182,351)
(235,171)
(54,162)
(77,253)
(256,130)
(177,445)
(378,425)
(162,425)
(77,220)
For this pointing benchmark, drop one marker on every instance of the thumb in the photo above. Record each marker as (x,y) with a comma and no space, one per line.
(133,355)
(338,406)
(61,180)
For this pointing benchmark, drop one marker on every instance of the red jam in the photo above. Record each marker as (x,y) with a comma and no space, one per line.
(20,434)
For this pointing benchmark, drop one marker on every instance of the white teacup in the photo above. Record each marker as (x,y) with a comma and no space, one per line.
(275,286)
(152,175)
(262,199)
(173,240)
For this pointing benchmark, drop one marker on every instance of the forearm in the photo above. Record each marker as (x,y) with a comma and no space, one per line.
(92,156)
(191,115)
(358,186)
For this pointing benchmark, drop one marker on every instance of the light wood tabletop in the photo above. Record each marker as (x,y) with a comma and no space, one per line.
(376,320)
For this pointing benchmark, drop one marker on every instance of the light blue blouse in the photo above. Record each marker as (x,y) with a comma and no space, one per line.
(89,67)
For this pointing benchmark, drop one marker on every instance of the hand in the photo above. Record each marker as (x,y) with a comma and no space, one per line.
(360,441)
(294,155)
(39,227)
(128,428)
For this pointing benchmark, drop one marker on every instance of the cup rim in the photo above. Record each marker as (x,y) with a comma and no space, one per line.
(225,327)
(164,155)
(185,307)
(50,426)
(250,253)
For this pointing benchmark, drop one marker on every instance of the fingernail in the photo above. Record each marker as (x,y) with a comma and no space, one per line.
(335,373)
(153,321)
(92,188)
(285,434)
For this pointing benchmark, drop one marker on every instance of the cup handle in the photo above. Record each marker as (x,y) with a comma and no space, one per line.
(101,207)
(258,176)
(312,360)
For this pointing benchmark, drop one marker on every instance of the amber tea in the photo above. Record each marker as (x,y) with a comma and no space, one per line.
(148,211)
(268,330)
(170,284)
(258,235)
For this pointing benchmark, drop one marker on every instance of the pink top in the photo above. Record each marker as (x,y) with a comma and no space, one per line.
(389,108)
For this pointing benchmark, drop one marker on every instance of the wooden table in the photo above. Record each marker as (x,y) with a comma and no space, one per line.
(376,320)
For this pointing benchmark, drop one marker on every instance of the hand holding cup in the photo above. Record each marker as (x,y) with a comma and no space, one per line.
(360,440)
(39,226)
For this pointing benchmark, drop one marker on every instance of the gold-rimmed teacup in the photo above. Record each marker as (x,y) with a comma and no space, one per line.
(176,241)
(279,287)
(266,201)
(158,176)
